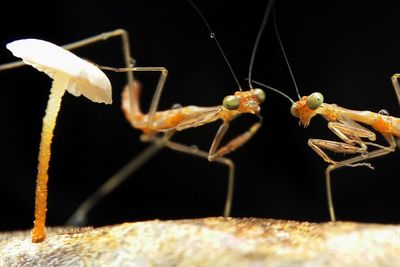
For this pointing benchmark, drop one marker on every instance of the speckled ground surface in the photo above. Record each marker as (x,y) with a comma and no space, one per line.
(208,242)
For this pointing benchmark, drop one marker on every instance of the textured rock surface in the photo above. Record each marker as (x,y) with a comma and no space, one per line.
(208,242)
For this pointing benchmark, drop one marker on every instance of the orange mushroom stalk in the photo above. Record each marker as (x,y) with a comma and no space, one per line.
(70,73)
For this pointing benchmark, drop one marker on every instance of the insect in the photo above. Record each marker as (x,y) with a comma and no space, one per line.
(159,127)
(168,122)
(346,124)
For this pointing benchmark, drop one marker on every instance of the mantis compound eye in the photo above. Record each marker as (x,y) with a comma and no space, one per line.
(260,94)
(231,102)
(293,111)
(315,100)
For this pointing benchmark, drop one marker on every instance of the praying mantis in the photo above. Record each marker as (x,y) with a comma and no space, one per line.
(169,122)
(347,124)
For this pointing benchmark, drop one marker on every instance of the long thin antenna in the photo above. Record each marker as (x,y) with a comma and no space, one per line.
(214,37)
(284,53)
(275,90)
(256,43)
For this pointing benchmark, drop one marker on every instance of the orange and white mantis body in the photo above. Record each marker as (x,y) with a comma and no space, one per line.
(347,124)
(179,118)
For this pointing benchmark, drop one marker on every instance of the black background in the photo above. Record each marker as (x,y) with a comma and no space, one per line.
(345,49)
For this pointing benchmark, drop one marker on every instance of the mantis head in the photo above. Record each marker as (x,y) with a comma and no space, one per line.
(245,101)
(306,107)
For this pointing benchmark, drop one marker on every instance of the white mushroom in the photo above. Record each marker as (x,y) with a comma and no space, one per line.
(70,73)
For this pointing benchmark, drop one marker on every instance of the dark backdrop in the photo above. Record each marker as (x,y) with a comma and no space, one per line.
(346,49)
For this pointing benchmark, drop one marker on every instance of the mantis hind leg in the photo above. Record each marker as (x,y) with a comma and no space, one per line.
(88,41)
(79,217)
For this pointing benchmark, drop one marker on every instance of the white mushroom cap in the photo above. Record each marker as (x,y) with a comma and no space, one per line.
(85,78)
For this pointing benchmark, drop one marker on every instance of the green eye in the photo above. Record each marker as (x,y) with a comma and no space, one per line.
(231,102)
(315,100)
(260,94)
(293,111)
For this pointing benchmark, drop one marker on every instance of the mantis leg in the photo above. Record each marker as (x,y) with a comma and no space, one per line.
(318,145)
(217,152)
(351,133)
(133,91)
(396,85)
(227,162)
(348,131)
(79,217)
(133,99)
(88,41)
(166,141)
(352,162)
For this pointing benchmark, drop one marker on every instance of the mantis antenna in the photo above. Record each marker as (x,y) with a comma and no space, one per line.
(284,53)
(214,37)
(256,43)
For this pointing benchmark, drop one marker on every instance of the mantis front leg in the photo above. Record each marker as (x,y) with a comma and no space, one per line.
(217,152)
(348,131)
